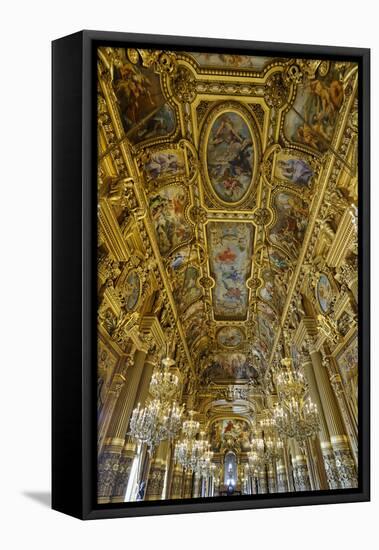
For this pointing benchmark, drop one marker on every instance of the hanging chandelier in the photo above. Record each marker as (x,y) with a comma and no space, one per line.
(156,422)
(205,466)
(164,385)
(161,418)
(191,451)
(295,415)
(273,444)
(256,456)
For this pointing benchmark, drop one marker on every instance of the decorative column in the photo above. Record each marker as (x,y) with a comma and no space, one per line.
(187,489)
(155,482)
(271,479)
(300,468)
(349,418)
(115,441)
(196,486)
(328,474)
(262,481)
(176,483)
(129,449)
(288,469)
(282,478)
(118,381)
(340,444)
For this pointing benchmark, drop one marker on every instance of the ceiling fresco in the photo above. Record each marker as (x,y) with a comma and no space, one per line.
(230,157)
(230,253)
(229,150)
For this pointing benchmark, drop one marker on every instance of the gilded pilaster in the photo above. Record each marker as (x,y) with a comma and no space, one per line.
(339,441)
(327,470)
(177,482)
(115,441)
(282,480)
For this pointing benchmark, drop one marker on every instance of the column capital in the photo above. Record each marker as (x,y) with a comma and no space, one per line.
(306,328)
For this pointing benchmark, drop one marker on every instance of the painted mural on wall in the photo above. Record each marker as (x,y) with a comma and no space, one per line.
(230,433)
(167,212)
(229,366)
(144,112)
(324,292)
(230,337)
(293,169)
(292,219)
(230,246)
(230,157)
(311,121)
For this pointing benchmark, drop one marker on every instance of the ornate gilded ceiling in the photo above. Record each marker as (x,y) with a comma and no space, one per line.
(231,155)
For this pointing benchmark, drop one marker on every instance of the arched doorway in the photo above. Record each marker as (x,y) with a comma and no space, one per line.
(230,472)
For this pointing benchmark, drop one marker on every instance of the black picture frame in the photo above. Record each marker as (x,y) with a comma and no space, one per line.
(74,276)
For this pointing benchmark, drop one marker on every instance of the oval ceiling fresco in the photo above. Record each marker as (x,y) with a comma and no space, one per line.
(230,156)
(230,337)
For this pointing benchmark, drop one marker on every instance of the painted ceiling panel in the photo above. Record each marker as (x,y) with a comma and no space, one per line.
(230,246)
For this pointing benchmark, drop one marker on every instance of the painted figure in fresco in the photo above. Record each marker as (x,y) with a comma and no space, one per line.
(279,261)
(161,123)
(226,256)
(233,274)
(316,108)
(186,291)
(133,92)
(296,170)
(167,211)
(230,336)
(290,228)
(142,105)
(163,163)
(227,133)
(230,265)
(229,366)
(230,157)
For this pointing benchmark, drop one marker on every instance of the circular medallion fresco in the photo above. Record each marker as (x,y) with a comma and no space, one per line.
(324,292)
(230,153)
(230,337)
(133,290)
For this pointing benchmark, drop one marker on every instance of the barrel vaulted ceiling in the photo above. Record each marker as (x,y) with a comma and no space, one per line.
(230,153)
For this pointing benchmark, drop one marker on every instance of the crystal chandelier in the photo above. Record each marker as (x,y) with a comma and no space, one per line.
(273,444)
(164,385)
(295,416)
(161,418)
(156,422)
(205,466)
(190,451)
(256,456)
